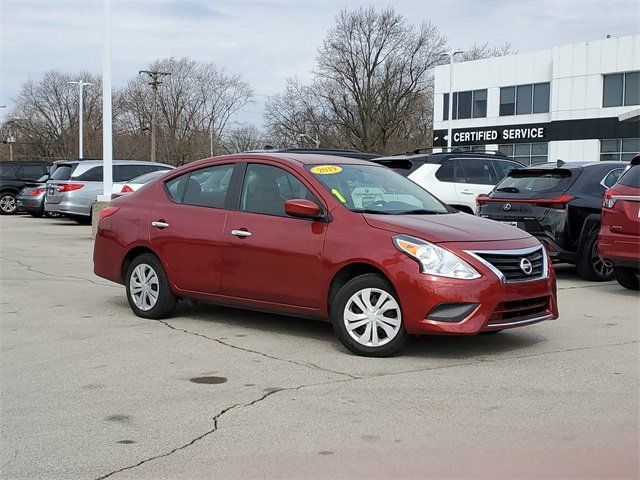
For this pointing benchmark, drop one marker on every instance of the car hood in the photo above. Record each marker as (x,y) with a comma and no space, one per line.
(453,227)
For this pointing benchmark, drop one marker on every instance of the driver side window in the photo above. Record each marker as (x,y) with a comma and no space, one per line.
(266,188)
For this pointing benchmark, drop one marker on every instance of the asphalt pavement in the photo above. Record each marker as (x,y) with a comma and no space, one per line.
(89,390)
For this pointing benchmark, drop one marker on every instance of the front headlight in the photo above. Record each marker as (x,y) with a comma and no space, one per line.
(433,259)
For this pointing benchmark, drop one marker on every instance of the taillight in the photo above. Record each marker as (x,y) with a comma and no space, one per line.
(107,212)
(608,201)
(36,191)
(126,189)
(556,202)
(559,203)
(481,200)
(70,187)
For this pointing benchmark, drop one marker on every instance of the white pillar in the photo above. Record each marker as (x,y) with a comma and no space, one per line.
(107,116)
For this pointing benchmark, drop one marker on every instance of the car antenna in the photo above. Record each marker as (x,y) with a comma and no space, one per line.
(560,163)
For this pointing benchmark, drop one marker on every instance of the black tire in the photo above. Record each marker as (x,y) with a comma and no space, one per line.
(589,265)
(166,300)
(628,277)
(337,312)
(8,203)
(80,219)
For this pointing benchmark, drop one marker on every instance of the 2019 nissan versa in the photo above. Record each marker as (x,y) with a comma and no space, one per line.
(326,237)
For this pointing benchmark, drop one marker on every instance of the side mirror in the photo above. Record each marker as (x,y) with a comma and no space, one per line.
(302,208)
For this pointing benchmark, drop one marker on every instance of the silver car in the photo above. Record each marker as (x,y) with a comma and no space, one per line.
(75,185)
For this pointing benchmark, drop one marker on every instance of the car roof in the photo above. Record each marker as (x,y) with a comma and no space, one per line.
(320,151)
(115,162)
(578,165)
(439,157)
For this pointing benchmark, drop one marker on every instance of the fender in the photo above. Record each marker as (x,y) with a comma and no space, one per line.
(592,222)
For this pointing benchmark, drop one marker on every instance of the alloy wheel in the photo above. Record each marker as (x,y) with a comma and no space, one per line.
(144,286)
(372,317)
(8,204)
(601,266)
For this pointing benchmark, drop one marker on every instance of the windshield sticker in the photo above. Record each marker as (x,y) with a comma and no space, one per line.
(326,169)
(338,195)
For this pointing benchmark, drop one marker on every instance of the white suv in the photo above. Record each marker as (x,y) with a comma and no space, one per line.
(456,178)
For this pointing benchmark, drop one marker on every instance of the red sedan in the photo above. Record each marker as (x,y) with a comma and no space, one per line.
(325,237)
(619,239)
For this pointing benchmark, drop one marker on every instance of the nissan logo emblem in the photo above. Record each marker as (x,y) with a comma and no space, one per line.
(506,207)
(525,266)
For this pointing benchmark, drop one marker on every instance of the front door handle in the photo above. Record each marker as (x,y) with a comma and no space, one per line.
(159,224)
(240,233)
(466,192)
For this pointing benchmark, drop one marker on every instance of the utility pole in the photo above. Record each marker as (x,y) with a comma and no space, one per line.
(81,84)
(155,76)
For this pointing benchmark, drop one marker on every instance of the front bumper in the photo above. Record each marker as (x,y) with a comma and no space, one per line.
(499,305)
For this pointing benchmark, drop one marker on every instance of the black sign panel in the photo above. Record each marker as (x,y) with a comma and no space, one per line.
(584,129)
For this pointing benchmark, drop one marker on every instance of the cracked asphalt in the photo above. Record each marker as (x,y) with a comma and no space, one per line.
(90,391)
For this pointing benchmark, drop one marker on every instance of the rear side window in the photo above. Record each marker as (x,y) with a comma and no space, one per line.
(124,173)
(547,180)
(445,172)
(63,171)
(477,171)
(94,174)
(631,178)
(206,187)
(612,177)
(402,166)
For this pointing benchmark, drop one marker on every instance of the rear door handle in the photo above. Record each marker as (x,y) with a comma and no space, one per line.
(240,233)
(466,192)
(159,224)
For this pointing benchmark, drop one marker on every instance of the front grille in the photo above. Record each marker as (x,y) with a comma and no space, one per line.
(510,263)
(520,310)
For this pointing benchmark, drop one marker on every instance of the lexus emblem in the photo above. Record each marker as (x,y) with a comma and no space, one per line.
(506,207)
(525,266)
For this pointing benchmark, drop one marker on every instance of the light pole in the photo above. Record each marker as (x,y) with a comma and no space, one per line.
(314,140)
(451,56)
(81,84)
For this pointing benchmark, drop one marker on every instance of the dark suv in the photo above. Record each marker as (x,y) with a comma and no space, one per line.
(13,176)
(559,203)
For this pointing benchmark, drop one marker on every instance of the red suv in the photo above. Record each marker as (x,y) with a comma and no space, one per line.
(325,237)
(619,239)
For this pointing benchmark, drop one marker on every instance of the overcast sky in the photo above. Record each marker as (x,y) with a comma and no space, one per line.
(268,41)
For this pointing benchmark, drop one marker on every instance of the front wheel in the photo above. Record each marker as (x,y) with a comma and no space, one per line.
(148,288)
(628,277)
(8,203)
(592,266)
(367,317)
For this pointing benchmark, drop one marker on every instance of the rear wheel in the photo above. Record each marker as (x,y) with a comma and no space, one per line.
(367,317)
(592,266)
(8,203)
(148,288)
(628,277)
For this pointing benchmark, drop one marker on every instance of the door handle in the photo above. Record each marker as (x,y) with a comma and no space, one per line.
(466,192)
(159,224)
(240,233)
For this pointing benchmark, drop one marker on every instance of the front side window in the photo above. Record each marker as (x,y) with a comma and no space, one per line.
(94,174)
(375,189)
(206,187)
(619,149)
(266,188)
(621,89)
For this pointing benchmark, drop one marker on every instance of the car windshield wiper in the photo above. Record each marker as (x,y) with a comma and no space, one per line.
(508,189)
(419,211)
(368,210)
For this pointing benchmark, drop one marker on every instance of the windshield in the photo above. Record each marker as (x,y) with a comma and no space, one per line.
(376,189)
(63,171)
(530,180)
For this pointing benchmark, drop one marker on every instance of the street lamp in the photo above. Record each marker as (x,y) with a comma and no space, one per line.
(451,56)
(81,84)
(314,140)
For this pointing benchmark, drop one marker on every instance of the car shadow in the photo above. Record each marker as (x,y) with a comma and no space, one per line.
(441,346)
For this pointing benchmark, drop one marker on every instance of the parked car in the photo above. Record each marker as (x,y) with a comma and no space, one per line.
(327,237)
(14,175)
(456,178)
(31,198)
(560,204)
(132,185)
(75,185)
(619,240)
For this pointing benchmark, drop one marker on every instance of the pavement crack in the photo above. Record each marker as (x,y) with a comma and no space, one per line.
(216,425)
(57,276)
(256,352)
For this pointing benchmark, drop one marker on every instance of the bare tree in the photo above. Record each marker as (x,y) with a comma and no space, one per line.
(479,51)
(242,138)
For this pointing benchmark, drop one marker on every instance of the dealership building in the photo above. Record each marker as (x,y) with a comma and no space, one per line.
(573,102)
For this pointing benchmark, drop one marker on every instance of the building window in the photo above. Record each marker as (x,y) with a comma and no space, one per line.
(619,149)
(470,148)
(469,104)
(524,99)
(526,153)
(621,89)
